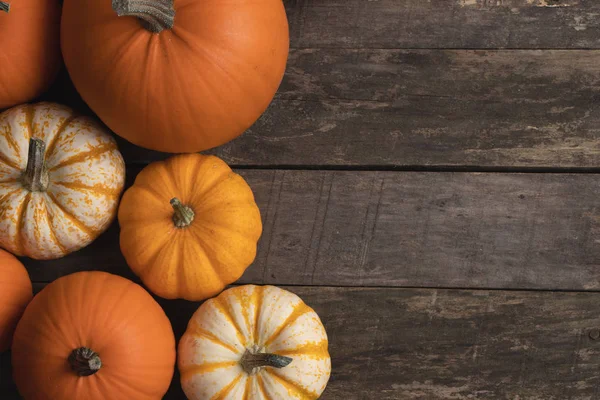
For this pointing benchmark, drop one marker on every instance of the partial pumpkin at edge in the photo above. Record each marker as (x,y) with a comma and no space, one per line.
(178,76)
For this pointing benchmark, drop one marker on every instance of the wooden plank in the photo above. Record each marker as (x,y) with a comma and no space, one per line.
(461,230)
(532,24)
(449,344)
(414,108)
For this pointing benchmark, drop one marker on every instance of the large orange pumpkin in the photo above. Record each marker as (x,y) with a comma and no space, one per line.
(93,336)
(15,293)
(30,50)
(189,226)
(176,75)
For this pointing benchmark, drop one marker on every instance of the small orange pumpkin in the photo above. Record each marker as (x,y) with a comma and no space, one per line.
(189,226)
(176,75)
(30,50)
(15,294)
(93,336)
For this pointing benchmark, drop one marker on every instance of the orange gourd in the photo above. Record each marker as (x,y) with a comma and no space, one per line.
(176,75)
(93,336)
(189,226)
(30,51)
(15,294)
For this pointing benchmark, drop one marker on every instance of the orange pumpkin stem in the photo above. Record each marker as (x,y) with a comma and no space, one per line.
(4,6)
(183,216)
(155,16)
(35,177)
(252,362)
(84,361)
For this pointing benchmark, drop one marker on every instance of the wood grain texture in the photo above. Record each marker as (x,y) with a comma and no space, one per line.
(418,229)
(532,24)
(433,108)
(447,344)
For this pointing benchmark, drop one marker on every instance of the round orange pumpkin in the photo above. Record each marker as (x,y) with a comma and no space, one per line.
(15,294)
(176,75)
(93,336)
(30,51)
(189,226)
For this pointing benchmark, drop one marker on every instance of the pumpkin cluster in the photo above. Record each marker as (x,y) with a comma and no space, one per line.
(178,76)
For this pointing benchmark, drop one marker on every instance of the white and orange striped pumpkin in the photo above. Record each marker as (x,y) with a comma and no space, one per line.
(254,343)
(61,177)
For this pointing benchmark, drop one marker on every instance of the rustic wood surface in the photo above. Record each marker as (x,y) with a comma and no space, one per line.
(417,153)
(426,108)
(392,344)
(463,24)
(427,229)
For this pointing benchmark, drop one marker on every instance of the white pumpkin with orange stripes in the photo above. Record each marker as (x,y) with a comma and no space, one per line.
(254,343)
(61,176)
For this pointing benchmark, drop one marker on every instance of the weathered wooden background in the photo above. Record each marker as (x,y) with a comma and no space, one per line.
(428,181)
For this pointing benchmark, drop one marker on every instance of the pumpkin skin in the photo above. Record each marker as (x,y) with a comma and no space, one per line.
(196,261)
(30,51)
(254,319)
(15,294)
(187,88)
(115,318)
(80,181)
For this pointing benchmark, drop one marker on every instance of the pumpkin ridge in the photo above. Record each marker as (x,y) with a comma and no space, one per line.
(7,132)
(103,148)
(53,236)
(51,146)
(10,140)
(200,48)
(312,350)
(257,294)
(152,259)
(82,227)
(261,386)
(217,180)
(98,188)
(139,312)
(247,388)
(220,304)
(7,195)
(204,334)
(29,121)
(207,250)
(299,310)
(298,390)
(225,391)
(20,245)
(8,162)
(193,369)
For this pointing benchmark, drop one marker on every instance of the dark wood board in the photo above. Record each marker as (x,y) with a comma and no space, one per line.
(408,109)
(391,344)
(531,24)
(425,229)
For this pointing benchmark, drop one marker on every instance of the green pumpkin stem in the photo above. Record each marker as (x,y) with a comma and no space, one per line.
(155,15)
(251,362)
(183,215)
(4,6)
(84,361)
(35,176)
